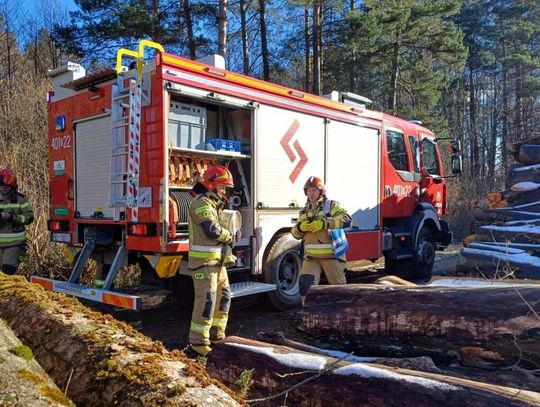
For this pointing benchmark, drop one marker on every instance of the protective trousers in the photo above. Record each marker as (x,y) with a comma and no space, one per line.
(10,257)
(333,269)
(212,303)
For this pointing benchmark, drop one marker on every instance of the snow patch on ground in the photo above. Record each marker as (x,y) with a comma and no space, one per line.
(529,167)
(450,282)
(366,371)
(525,186)
(296,360)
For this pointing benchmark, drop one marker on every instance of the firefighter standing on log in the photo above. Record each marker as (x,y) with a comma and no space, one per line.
(312,227)
(15,213)
(209,253)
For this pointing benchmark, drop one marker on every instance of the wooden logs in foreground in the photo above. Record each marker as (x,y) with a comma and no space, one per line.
(23,382)
(106,362)
(482,326)
(307,379)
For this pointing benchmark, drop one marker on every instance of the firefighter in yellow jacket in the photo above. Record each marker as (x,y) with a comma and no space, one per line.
(209,254)
(318,217)
(15,213)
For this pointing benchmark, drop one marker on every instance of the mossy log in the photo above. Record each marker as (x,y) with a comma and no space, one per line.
(23,381)
(307,379)
(106,362)
(482,326)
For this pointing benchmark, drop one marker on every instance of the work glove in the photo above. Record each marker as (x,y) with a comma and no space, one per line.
(226,236)
(315,226)
(304,226)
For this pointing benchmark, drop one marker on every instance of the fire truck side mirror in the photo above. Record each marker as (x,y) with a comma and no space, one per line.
(457,164)
(455,146)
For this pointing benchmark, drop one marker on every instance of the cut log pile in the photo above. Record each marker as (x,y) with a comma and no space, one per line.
(506,232)
(100,360)
(281,375)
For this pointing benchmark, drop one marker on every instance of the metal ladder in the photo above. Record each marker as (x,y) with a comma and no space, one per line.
(126,104)
(119,144)
(125,146)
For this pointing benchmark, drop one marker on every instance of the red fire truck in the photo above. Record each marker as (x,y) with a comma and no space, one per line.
(127,145)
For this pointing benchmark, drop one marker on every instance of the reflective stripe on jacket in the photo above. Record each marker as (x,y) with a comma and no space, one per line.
(12,232)
(203,249)
(319,244)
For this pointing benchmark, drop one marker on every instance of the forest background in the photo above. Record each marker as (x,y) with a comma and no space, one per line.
(465,68)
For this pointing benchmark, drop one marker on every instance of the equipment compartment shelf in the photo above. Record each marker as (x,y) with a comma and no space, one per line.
(224,154)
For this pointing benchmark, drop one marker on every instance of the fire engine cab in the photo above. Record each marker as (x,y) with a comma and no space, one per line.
(127,145)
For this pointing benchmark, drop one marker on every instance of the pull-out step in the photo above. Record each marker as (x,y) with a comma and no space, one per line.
(250,287)
(115,298)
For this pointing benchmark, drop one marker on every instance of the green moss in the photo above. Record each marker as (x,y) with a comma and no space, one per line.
(23,352)
(48,392)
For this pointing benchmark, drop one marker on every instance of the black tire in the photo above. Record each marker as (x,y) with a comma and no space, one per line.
(424,255)
(418,267)
(282,267)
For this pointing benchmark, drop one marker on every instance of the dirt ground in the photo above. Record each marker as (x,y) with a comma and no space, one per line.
(250,316)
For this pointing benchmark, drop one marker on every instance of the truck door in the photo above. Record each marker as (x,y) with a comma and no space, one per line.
(400,178)
(352,177)
(432,189)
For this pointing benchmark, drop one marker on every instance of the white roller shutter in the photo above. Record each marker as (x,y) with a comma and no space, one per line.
(92,166)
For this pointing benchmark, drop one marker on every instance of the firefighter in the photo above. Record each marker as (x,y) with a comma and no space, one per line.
(312,227)
(15,213)
(210,251)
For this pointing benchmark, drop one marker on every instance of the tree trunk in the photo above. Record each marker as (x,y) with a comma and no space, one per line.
(264,41)
(392,100)
(186,9)
(316,47)
(222,30)
(245,51)
(307,48)
(439,322)
(24,382)
(108,361)
(306,379)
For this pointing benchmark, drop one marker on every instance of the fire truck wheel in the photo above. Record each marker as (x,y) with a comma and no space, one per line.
(282,267)
(424,256)
(418,267)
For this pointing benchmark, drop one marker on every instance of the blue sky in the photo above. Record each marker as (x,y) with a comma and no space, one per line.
(32,5)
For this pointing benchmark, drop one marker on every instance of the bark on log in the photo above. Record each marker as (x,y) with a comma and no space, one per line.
(529,154)
(529,173)
(23,381)
(483,326)
(421,363)
(108,361)
(333,382)
(522,198)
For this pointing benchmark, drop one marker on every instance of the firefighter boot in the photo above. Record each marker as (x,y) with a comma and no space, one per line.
(201,350)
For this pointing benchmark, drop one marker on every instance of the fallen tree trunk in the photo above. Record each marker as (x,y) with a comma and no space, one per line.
(486,326)
(24,382)
(529,154)
(105,361)
(301,379)
(421,363)
(521,174)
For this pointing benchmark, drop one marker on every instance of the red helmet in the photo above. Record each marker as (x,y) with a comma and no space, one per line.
(315,182)
(7,178)
(217,175)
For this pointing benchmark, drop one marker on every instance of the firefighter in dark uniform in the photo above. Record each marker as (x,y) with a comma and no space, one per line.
(209,253)
(318,217)
(15,213)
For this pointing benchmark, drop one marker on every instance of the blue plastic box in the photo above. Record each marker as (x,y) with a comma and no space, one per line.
(227,145)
